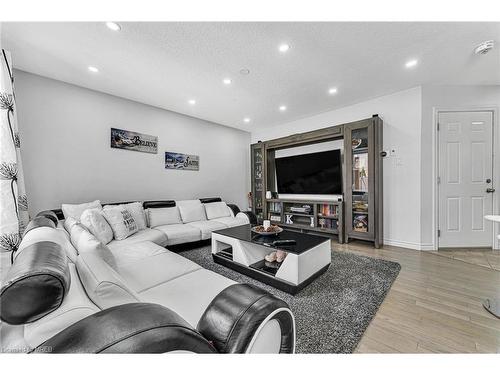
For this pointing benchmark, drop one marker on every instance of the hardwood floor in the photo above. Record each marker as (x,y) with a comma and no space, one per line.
(482,257)
(434,306)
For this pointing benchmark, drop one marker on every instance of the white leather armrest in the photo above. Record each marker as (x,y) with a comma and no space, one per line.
(241,215)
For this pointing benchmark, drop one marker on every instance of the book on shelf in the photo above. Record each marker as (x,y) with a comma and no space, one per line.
(328,223)
(275,206)
(328,210)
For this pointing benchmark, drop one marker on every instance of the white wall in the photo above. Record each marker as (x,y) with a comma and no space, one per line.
(436,98)
(65,135)
(401,113)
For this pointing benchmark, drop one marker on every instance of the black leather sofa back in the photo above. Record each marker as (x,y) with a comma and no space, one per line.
(129,328)
(146,204)
(210,200)
(158,204)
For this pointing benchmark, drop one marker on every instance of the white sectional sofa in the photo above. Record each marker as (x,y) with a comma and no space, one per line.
(183,222)
(137,274)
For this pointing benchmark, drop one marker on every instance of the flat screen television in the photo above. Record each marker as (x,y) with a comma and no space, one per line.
(316,173)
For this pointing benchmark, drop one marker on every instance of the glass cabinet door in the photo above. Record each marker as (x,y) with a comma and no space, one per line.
(257,155)
(360,178)
(359,155)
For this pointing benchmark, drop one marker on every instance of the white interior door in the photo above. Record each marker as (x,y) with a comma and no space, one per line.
(465,178)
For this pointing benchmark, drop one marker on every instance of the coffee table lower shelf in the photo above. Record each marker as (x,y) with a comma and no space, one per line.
(254,272)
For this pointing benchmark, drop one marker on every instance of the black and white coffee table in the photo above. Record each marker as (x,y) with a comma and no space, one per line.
(242,250)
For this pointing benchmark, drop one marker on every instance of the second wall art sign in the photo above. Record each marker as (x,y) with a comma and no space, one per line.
(133,141)
(174,160)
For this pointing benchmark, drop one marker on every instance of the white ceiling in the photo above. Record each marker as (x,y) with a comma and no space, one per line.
(166,64)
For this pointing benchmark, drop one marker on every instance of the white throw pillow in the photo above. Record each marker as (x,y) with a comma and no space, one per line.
(137,211)
(215,210)
(68,223)
(164,216)
(191,210)
(121,221)
(85,242)
(93,220)
(76,210)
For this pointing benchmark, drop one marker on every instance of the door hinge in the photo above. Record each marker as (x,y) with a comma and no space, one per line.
(439,232)
(438,126)
(439,180)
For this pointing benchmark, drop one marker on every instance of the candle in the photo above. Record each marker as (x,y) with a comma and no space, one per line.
(267,224)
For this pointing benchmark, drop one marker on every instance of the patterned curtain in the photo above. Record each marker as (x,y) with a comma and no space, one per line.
(13,201)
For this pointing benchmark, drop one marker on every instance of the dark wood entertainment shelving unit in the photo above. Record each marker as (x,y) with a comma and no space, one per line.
(360,216)
(325,217)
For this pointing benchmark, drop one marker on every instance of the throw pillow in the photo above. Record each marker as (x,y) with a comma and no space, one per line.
(97,225)
(215,210)
(68,223)
(85,242)
(138,214)
(75,210)
(136,210)
(191,210)
(121,221)
(164,216)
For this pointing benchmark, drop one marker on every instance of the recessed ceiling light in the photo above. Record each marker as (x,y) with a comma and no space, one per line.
(244,71)
(113,26)
(246,119)
(93,69)
(332,90)
(282,108)
(192,101)
(284,47)
(411,63)
(227,81)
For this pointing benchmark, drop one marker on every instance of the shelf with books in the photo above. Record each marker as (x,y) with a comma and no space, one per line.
(327,210)
(328,216)
(326,223)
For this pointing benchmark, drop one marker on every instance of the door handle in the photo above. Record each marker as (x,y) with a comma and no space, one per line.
(490,190)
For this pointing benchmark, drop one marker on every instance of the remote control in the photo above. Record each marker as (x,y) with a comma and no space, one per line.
(284,243)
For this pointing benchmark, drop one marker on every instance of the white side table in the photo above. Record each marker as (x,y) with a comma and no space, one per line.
(493,305)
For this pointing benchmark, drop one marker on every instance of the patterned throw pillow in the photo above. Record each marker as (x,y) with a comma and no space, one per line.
(135,208)
(121,221)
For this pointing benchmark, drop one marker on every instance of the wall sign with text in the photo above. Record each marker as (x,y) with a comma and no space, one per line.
(133,141)
(175,160)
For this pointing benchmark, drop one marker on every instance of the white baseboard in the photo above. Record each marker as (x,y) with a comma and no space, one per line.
(427,247)
(409,245)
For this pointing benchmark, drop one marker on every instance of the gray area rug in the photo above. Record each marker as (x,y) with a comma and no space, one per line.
(332,312)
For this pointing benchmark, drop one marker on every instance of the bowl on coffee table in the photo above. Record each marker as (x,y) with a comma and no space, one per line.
(272,230)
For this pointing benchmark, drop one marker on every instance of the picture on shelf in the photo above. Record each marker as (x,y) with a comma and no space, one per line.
(360,223)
